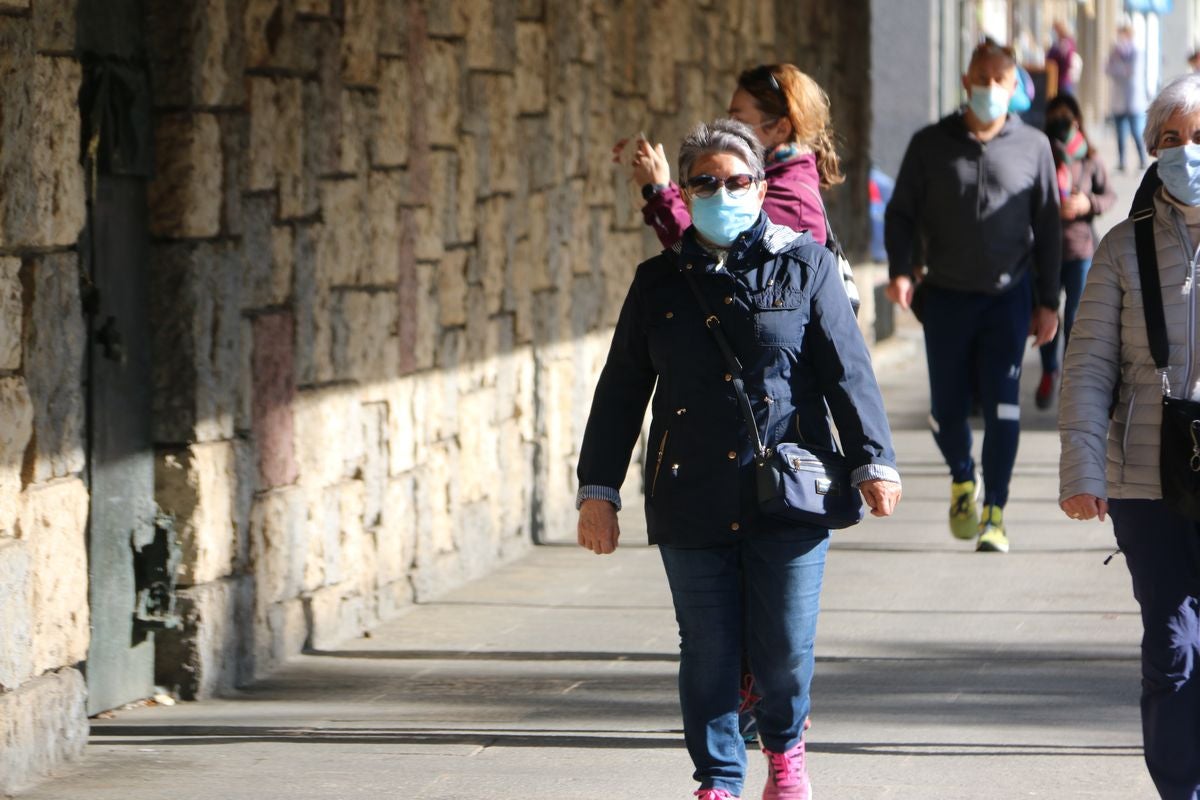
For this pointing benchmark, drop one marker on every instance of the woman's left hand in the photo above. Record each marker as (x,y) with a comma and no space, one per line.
(880,496)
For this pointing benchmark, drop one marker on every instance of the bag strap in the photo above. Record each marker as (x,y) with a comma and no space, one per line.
(713,323)
(1142,213)
(831,240)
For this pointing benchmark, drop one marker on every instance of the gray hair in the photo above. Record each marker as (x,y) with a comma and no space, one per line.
(721,136)
(1181,95)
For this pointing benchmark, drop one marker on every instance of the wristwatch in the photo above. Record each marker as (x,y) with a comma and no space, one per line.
(651,189)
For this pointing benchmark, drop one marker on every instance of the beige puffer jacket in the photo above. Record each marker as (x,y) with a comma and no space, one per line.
(1111,451)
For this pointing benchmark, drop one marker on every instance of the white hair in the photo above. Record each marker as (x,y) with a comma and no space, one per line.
(1180,96)
(721,136)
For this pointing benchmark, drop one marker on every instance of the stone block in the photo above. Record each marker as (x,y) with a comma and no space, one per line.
(360,41)
(532,68)
(198,486)
(53,361)
(42,196)
(12,311)
(530,9)
(54,26)
(447,18)
(384,195)
(197,52)
(185,195)
(496,228)
(395,536)
(212,651)
(365,347)
(443,85)
(235,143)
(275,38)
(393,25)
(278,545)
(315,8)
(436,497)
(54,522)
(305,300)
(452,288)
(195,290)
(389,143)
(296,198)
(402,429)
(491,120)
(491,35)
(335,616)
(16,609)
(409,296)
(283,258)
(280,632)
(274,394)
(257,251)
(263,100)
(16,430)
(328,424)
(359,123)
(342,250)
(374,473)
(43,726)
(14,5)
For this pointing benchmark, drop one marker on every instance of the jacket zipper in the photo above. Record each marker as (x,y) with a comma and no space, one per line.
(1184,241)
(1128,426)
(662,447)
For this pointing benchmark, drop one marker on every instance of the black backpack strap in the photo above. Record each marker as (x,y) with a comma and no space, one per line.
(1142,214)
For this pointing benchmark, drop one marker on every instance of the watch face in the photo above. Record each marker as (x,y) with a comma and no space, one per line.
(648,191)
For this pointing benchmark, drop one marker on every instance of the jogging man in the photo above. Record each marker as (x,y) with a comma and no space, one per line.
(977,194)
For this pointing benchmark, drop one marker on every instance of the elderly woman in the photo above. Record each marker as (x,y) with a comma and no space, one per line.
(1110,418)
(781,306)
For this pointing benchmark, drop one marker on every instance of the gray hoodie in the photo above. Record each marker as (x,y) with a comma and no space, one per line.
(982,214)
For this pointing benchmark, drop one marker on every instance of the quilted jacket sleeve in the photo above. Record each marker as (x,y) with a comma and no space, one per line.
(1091,372)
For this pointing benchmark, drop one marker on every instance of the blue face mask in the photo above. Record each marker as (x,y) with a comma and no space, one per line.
(1179,168)
(720,218)
(989,102)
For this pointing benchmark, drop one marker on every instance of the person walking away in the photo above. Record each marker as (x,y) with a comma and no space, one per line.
(977,193)
(1126,71)
(738,577)
(1084,193)
(1110,424)
(1065,56)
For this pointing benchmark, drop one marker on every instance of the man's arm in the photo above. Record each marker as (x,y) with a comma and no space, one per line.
(1047,231)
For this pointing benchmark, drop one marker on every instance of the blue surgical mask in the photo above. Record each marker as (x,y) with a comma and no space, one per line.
(989,102)
(720,218)
(1179,169)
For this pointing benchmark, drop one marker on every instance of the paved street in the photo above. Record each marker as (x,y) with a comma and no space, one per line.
(942,674)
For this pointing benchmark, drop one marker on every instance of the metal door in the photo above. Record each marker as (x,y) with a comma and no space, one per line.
(114,257)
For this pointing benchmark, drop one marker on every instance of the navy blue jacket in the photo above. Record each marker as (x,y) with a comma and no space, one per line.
(786,315)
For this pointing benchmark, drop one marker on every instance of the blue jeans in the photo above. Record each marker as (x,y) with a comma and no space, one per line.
(976,341)
(1074,275)
(1162,550)
(762,594)
(1134,124)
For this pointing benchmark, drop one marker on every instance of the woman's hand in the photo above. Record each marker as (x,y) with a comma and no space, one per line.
(598,528)
(880,496)
(1085,506)
(1075,206)
(650,164)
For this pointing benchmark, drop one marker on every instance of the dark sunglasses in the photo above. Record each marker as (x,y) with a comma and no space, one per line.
(708,185)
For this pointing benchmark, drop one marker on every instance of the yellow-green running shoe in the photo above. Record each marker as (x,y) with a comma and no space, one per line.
(992,538)
(964,516)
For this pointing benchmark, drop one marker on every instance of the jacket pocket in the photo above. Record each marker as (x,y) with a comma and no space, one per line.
(662,449)
(779,317)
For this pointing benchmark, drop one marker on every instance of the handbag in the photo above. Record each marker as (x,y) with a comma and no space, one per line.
(794,483)
(1179,459)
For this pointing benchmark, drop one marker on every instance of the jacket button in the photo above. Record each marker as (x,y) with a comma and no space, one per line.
(689,266)
(728,299)
(669,314)
(732,455)
(771,282)
(680,411)
(769,399)
(778,303)
(734,527)
(728,377)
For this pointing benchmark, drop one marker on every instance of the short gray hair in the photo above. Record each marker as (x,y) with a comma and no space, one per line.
(1181,95)
(721,136)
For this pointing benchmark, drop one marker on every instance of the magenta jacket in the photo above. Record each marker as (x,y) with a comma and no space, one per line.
(788,202)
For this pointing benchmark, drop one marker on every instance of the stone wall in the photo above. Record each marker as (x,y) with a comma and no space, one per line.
(388,248)
(43,499)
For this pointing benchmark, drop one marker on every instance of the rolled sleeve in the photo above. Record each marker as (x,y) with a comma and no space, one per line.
(874,472)
(598,493)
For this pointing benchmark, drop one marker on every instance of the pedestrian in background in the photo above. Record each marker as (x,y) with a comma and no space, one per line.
(738,577)
(1084,193)
(977,193)
(1110,425)
(1126,70)
(1065,56)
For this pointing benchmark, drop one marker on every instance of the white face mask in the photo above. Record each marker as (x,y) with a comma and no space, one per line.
(989,103)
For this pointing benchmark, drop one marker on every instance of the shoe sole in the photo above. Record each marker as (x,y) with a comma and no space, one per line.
(992,547)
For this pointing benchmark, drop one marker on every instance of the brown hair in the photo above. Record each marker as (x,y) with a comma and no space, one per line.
(784,92)
(990,48)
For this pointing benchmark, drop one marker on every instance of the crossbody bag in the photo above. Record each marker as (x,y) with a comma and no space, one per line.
(794,483)
(1179,459)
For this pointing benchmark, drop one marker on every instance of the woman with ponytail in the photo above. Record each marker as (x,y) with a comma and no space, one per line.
(789,114)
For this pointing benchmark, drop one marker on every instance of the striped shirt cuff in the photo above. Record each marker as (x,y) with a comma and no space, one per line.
(874,472)
(598,493)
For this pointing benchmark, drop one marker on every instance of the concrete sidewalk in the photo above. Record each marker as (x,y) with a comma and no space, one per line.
(942,674)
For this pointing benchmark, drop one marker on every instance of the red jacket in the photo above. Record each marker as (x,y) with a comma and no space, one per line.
(788,202)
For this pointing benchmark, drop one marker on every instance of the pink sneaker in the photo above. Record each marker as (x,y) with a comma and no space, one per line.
(787,776)
(715,794)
